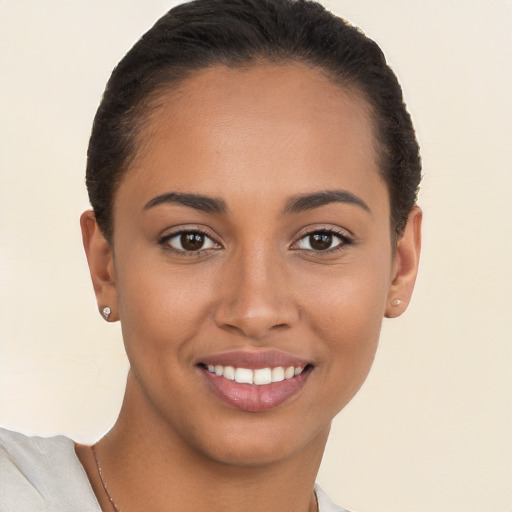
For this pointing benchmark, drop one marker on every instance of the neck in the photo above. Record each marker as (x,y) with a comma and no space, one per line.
(147,465)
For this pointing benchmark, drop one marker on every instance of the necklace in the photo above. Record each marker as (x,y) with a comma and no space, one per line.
(114,504)
(100,472)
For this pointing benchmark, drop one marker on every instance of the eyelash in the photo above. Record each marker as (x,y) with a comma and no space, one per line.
(164,241)
(345,240)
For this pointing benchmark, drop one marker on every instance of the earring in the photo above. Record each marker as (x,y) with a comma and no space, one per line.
(396,302)
(106,313)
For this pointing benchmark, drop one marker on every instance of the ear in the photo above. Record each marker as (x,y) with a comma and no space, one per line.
(405,265)
(101,265)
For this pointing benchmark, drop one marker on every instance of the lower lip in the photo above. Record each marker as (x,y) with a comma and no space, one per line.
(253,398)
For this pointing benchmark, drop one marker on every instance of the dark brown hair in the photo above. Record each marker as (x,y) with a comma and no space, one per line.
(203,33)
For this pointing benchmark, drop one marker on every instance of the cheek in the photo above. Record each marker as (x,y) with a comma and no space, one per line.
(160,307)
(346,317)
(350,345)
(349,300)
(162,312)
(349,325)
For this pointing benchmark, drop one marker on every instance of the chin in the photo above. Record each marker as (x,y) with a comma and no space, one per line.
(261,444)
(252,454)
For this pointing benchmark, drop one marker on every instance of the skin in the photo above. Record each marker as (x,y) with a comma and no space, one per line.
(256,138)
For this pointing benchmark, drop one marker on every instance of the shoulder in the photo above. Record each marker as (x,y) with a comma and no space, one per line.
(42,474)
(325,504)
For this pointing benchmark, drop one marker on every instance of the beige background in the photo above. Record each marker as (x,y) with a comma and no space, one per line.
(431,428)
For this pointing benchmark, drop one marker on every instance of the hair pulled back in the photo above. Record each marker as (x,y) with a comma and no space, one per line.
(203,33)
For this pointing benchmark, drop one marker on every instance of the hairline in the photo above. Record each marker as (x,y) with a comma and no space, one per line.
(168,88)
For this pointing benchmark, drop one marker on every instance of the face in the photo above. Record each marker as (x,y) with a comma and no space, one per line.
(252,262)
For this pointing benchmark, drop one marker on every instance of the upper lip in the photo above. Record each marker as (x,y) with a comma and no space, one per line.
(254,359)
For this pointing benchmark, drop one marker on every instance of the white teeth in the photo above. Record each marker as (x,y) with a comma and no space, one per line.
(229,373)
(277,374)
(258,377)
(289,372)
(262,376)
(244,376)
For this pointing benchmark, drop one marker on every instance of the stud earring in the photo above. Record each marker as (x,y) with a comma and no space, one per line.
(106,313)
(396,302)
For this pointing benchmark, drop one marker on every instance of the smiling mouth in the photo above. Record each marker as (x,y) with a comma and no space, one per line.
(256,377)
(255,389)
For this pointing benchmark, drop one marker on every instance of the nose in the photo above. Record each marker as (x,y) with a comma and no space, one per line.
(256,296)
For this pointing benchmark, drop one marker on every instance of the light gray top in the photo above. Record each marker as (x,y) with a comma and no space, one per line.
(44,474)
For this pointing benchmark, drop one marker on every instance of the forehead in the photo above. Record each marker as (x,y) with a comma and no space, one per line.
(255,128)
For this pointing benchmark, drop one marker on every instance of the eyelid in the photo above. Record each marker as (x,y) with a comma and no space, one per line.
(346,239)
(163,240)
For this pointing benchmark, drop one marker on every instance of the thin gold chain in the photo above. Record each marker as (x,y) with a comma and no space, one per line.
(114,504)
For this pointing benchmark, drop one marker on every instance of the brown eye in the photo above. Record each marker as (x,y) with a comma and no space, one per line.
(190,241)
(322,241)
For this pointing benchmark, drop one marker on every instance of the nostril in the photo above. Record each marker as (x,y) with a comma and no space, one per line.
(255,310)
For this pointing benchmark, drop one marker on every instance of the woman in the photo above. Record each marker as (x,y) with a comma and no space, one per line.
(253,175)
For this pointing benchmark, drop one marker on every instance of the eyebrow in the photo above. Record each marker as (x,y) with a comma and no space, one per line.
(317,199)
(198,202)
